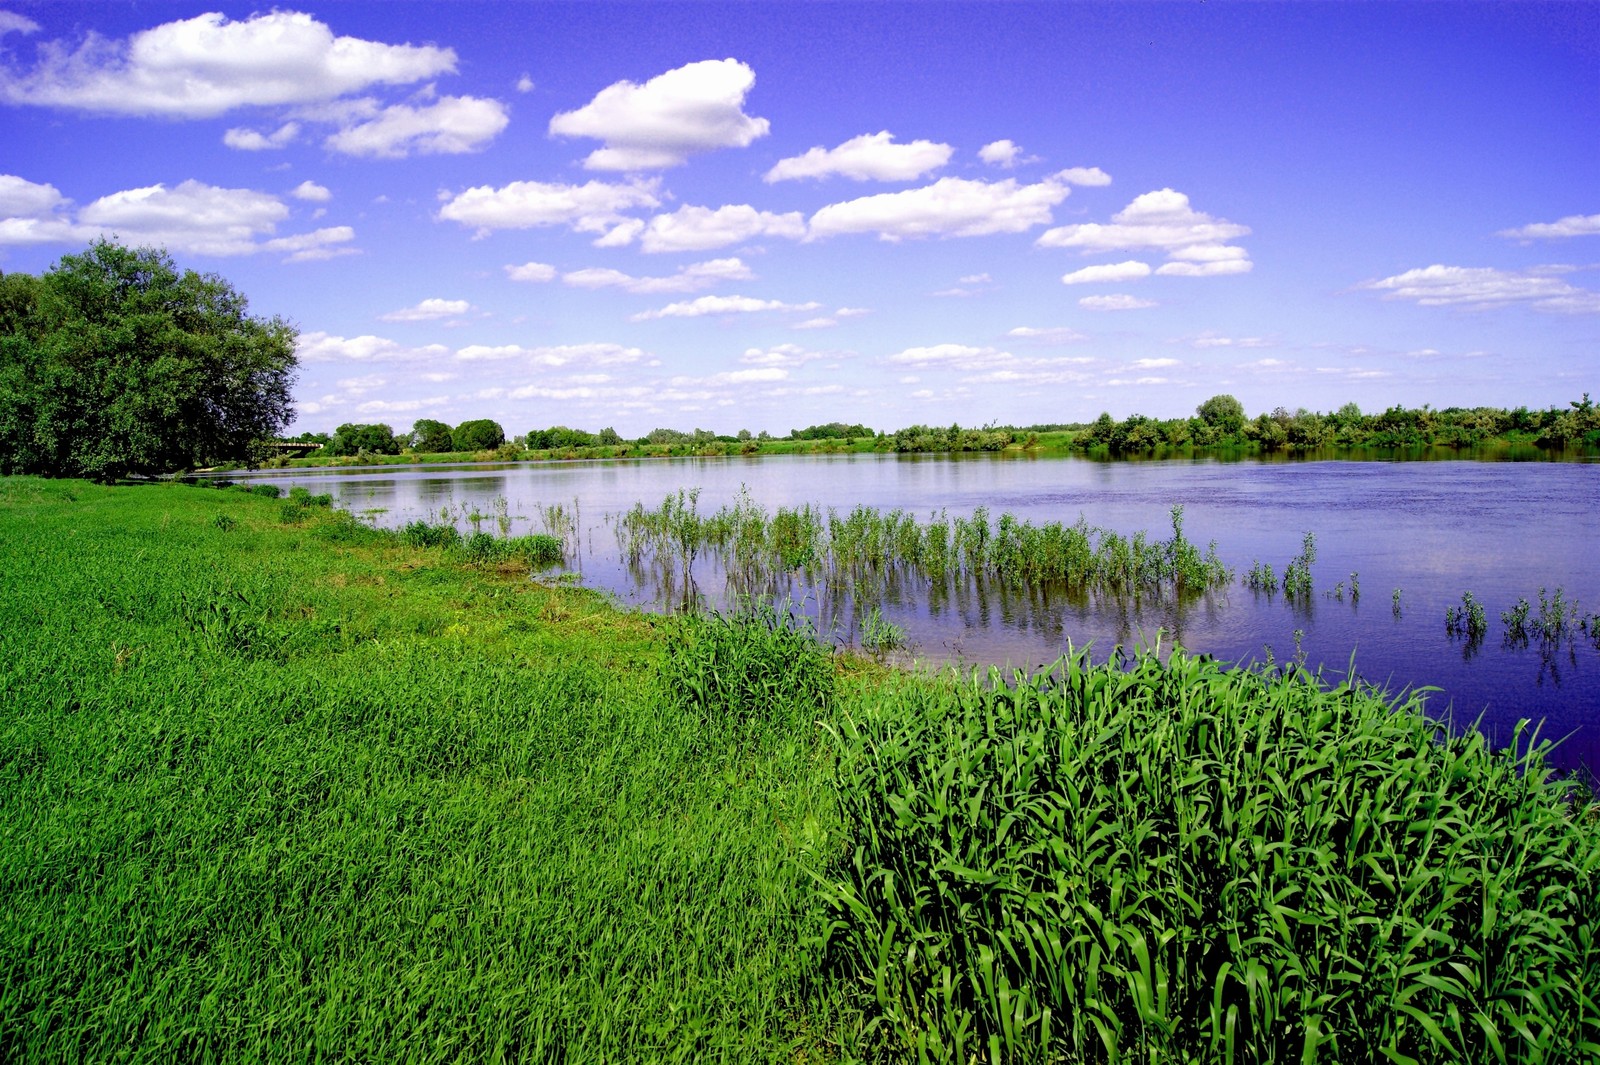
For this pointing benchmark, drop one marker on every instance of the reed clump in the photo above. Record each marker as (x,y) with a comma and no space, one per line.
(866,542)
(1180,862)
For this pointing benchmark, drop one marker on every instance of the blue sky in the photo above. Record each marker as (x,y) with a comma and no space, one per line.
(768,215)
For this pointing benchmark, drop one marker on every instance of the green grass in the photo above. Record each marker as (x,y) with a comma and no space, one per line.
(304,790)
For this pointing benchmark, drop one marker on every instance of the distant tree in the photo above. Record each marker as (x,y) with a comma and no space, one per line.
(478,435)
(743,435)
(665,436)
(353,438)
(1222,412)
(429,436)
(113,363)
(609,437)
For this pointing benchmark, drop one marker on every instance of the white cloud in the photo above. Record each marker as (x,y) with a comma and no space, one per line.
(326,347)
(1000,153)
(593,207)
(869,157)
(1128,271)
(959,355)
(987,365)
(24,198)
(695,108)
(1573,225)
(429,310)
(1089,176)
(598,354)
(1212,340)
(708,305)
(759,376)
(950,207)
(1050,335)
(1119,302)
(315,246)
(1215,268)
(1484,287)
(249,140)
(1164,221)
(311,191)
(691,278)
(451,125)
(193,217)
(1155,364)
(525,84)
(782,355)
(531,272)
(400,406)
(13,23)
(206,66)
(816,323)
(701,228)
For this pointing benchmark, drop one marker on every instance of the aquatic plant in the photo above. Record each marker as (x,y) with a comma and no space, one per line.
(1261,578)
(1467,620)
(879,635)
(1297,574)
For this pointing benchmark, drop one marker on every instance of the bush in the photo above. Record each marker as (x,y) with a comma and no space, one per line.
(478,435)
(266,491)
(1186,863)
(422,534)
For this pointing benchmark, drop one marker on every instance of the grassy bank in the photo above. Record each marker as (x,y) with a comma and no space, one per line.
(276,786)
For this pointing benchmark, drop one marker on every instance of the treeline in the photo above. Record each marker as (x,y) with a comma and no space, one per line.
(1220,423)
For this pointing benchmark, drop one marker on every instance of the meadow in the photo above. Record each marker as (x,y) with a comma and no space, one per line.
(276,785)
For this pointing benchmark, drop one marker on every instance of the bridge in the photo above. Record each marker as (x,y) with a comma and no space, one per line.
(288,447)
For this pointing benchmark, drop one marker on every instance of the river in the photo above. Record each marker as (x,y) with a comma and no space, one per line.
(1433,530)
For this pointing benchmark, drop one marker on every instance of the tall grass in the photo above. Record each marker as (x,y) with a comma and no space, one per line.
(1184,863)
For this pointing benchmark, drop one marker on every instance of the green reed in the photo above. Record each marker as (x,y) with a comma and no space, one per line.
(865,542)
(1179,862)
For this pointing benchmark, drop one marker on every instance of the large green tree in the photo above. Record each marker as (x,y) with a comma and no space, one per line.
(114,362)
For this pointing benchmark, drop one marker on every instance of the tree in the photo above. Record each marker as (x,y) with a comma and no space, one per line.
(480,434)
(429,436)
(115,363)
(354,438)
(1224,412)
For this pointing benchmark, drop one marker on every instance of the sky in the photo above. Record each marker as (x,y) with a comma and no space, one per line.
(765,216)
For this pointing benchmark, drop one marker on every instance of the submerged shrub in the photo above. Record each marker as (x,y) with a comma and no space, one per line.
(1185,863)
(757,670)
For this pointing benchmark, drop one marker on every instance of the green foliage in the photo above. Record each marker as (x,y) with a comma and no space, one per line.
(922,438)
(430,436)
(1181,862)
(113,363)
(1222,412)
(480,434)
(357,438)
(422,534)
(1467,620)
(830,431)
(560,437)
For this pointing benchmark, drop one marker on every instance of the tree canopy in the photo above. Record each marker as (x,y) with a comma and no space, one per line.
(114,363)
(479,434)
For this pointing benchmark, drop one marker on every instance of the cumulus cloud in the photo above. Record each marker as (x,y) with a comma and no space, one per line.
(988,365)
(869,157)
(1161,221)
(1213,340)
(701,228)
(950,207)
(13,23)
(531,272)
(1485,287)
(709,305)
(1084,175)
(311,191)
(193,217)
(208,65)
(593,207)
(1155,364)
(525,84)
(695,108)
(1573,225)
(1119,302)
(327,347)
(429,310)
(1128,271)
(451,125)
(1049,335)
(691,278)
(249,140)
(787,355)
(963,356)
(558,355)
(1000,153)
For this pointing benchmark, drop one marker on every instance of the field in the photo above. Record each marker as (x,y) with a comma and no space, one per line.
(277,786)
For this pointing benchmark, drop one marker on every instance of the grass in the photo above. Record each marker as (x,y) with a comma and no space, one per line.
(311,790)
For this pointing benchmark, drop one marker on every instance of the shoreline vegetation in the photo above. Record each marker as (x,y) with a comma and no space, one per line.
(1218,429)
(280,786)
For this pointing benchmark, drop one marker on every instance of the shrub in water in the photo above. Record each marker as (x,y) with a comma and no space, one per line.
(1185,863)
